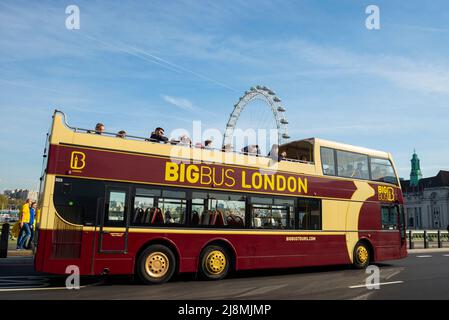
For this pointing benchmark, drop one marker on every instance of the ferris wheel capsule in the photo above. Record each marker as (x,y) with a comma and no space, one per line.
(281,109)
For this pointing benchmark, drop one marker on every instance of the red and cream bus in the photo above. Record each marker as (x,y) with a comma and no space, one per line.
(123,206)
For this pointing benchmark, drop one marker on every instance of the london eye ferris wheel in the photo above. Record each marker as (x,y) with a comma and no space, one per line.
(259,108)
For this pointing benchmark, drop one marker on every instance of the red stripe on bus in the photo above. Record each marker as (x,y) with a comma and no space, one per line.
(103,164)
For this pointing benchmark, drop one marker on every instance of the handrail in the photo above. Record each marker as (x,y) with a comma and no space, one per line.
(170,142)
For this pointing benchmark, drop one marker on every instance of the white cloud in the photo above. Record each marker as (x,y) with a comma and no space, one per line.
(181,103)
(405,72)
(280,58)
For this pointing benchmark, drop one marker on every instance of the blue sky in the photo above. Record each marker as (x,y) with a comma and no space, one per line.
(139,64)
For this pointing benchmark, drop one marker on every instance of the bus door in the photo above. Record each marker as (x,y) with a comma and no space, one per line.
(402,223)
(114,220)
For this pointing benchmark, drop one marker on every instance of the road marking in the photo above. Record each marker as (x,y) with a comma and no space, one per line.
(424,256)
(36,289)
(445,255)
(32,283)
(388,277)
(363,296)
(375,284)
(261,290)
(28,277)
(15,282)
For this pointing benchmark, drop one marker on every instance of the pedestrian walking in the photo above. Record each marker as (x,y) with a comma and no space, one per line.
(23,216)
(32,223)
(25,233)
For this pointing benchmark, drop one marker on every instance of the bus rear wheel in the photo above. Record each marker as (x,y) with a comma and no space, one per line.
(361,256)
(156,264)
(215,263)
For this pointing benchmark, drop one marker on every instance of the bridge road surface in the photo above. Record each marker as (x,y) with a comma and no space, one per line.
(423,275)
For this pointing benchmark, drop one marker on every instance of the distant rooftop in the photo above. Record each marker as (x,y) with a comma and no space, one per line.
(440,180)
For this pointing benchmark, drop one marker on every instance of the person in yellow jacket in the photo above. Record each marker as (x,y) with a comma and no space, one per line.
(24,220)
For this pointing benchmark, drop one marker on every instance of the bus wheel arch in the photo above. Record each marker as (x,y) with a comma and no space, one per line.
(224,250)
(363,254)
(167,249)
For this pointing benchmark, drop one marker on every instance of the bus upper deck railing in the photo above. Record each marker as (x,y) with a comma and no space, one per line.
(174,142)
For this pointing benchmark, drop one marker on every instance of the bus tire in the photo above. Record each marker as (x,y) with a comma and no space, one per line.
(156,264)
(361,255)
(215,262)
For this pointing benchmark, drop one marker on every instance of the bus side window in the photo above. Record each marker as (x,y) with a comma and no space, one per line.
(218,210)
(142,206)
(77,200)
(272,213)
(116,208)
(352,165)
(309,214)
(390,217)
(382,171)
(328,161)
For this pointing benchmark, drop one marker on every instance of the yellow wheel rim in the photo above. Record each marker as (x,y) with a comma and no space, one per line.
(362,254)
(215,262)
(157,264)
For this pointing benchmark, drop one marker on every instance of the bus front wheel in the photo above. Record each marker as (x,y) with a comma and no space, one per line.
(215,263)
(156,264)
(361,256)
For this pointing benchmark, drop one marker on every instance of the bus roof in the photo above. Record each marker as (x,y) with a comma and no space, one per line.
(317,142)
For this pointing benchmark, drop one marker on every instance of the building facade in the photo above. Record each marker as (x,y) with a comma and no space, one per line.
(426,200)
(21,194)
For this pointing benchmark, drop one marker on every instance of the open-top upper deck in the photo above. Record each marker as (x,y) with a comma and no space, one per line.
(303,156)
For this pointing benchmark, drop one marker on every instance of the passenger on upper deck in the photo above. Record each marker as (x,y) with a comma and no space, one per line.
(376,173)
(274,153)
(227,148)
(158,135)
(252,149)
(121,134)
(99,128)
(348,172)
(185,141)
(358,172)
(208,144)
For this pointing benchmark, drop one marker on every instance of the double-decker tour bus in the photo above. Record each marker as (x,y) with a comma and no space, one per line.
(123,206)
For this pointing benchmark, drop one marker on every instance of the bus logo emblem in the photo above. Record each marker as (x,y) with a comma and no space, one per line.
(385,193)
(77,160)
